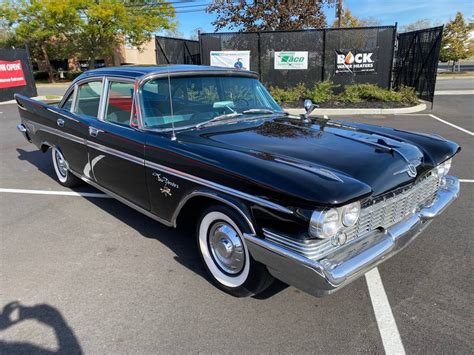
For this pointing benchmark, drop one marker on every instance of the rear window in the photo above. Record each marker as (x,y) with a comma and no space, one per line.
(119,103)
(88,98)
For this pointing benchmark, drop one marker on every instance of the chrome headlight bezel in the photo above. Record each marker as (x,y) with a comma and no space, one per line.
(350,214)
(443,169)
(328,223)
(325,223)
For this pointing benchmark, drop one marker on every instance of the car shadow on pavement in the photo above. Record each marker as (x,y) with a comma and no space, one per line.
(180,240)
(42,161)
(14,313)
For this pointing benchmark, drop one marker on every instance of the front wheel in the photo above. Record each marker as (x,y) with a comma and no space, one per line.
(61,169)
(225,254)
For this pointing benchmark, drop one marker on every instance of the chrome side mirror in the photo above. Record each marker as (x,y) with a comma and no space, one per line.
(309,107)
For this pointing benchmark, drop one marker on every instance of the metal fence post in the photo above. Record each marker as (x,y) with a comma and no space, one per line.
(323,59)
(259,57)
(394,38)
(200,47)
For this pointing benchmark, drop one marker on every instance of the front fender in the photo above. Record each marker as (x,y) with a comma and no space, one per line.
(234,203)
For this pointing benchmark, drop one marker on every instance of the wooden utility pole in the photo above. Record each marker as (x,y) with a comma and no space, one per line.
(339,13)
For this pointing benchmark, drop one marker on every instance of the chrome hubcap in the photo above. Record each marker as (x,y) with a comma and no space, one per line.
(226,248)
(60,163)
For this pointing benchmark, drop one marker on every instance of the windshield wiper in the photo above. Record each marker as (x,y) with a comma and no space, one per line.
(258,110)
(219,118)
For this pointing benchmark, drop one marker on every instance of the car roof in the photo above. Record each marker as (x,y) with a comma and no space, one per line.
(138,71)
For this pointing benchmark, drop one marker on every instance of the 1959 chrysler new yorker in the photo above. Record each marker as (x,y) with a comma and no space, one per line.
(313,202)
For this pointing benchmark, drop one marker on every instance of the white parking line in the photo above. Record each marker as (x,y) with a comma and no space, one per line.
(451,124)
(465,180)
(391,340)
(60,193)
(454,92)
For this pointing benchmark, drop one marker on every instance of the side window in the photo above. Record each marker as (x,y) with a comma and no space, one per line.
(119,103)
(68,103)
(88,98)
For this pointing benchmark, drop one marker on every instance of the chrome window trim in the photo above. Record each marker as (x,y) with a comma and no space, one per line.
(105,94)
(76,91)
(179,74)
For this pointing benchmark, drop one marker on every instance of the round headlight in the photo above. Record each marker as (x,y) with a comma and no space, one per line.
(324,224)
(350,214)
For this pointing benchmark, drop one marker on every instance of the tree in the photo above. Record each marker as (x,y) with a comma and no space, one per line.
(45,26)
(349,20)
(455,43)
(108,23)
(57,29)
(418,25)
(269,15)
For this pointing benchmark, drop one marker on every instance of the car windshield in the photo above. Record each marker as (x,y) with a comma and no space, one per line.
(200,99)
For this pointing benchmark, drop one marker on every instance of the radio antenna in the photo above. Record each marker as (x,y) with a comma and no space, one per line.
(173,133)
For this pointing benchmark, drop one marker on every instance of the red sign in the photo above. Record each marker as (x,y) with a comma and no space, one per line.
(11,74)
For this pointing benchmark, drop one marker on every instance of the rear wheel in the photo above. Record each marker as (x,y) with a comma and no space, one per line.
(225,253)
(65,178)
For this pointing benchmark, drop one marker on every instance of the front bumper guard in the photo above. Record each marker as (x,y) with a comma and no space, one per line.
(346,264)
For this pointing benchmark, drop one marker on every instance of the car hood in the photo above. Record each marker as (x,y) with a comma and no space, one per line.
(344,159)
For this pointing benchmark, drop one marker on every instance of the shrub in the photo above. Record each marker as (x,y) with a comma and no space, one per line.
(71,75)
(289,95)
(408,94)
(370,92)
(323,91)
(40,75)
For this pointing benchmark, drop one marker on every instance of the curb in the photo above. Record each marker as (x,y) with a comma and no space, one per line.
(360,111)
(455,77)
(38,98)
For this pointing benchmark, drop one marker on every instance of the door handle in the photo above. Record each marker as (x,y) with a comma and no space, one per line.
(60,122)
(93,132)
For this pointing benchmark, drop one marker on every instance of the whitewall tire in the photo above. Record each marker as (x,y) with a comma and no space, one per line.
(225,253)
(61,169)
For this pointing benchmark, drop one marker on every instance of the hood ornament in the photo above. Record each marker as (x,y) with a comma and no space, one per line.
(410,170)
(309,107)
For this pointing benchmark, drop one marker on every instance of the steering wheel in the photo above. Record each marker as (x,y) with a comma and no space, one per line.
(184,111)
(237,102)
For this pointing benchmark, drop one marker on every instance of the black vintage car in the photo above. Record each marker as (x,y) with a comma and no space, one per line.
(313,202)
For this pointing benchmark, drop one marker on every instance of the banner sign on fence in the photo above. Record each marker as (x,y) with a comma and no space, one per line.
(356,61)
(11,74)
(231,59)
(291,60)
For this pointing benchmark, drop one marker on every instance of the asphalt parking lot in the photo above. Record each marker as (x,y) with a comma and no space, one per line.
(90,275)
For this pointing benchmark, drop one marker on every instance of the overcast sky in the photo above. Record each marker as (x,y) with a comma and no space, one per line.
(191,14)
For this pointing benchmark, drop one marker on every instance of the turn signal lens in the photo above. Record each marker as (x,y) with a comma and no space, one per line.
(350,214)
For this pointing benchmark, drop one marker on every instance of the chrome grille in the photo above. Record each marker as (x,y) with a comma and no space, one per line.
(392,209)
(383,212)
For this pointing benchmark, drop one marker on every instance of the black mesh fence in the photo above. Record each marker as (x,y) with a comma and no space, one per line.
(416,61)
(355,55)
(16,73)
(238,41)
(177,51)
(373,47)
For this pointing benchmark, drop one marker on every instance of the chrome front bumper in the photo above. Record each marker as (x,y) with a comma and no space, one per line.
(353,260)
